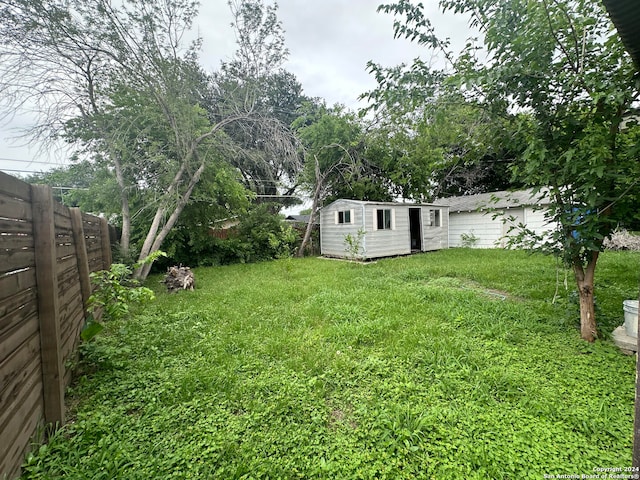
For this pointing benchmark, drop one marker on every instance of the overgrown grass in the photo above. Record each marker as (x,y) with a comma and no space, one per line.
(452,364)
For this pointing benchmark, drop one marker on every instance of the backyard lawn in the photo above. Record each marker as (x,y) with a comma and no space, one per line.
(445,365)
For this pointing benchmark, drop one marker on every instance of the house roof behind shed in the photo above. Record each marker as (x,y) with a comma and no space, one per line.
(300,219)
(485,201)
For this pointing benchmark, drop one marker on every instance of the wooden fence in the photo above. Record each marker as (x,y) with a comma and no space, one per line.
(46,254)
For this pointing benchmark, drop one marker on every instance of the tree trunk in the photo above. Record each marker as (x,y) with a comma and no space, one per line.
(125,236)
(314,208)
(307,232)
(157,235)
(585,282)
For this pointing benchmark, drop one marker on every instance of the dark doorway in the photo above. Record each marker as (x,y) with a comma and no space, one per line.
(415,229)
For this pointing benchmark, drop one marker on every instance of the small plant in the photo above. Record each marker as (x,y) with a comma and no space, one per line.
(354,244)
(469,240)
(115,292)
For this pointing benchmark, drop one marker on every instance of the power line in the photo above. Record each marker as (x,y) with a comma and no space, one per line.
(13,170)
(17,160)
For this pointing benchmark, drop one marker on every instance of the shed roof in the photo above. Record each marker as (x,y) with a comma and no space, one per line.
(390,204)
(503,199)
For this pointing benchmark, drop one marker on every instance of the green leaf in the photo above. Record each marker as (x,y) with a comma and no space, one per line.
(91,330)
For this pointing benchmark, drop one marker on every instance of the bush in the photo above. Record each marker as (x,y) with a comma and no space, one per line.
(260,235)
(266,235)
(469,240)
(115,292)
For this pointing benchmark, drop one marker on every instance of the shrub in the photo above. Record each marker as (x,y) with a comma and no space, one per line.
(116,291)
(353,244)
(469,240)
(266,235)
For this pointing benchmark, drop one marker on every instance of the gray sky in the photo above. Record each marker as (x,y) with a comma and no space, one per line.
(330,43)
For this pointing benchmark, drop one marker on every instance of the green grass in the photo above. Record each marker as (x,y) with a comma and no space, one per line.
(452,364)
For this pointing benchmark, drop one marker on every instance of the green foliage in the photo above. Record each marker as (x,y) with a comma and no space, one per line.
(114,294)
(260,235)
(266,236)
(84,184)
(407,368)
(337,160)
(564,65)
(448,145)
(469,240)
(353,244)
(219,195)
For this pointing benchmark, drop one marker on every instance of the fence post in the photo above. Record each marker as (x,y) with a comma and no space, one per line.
(81,254)
(105,241)
(48,305)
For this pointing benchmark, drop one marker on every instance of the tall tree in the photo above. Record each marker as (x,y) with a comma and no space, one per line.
(562,62)
(335,164)
(254,78)
(271,176)
(433,139)
(122,81)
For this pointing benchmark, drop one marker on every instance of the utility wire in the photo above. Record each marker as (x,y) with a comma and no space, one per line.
(17,160)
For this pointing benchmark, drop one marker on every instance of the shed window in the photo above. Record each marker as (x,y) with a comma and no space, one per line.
(344,216)
(436,218)
(383,219)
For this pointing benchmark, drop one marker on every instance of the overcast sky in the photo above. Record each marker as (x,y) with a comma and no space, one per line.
(330,43)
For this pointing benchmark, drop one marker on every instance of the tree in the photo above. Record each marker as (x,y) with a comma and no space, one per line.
(271,176)
(560,62)
(332,143)
(121,82)
(432,140)
(253,78)
(82,184)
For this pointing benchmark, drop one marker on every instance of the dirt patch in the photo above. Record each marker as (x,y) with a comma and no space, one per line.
(339,417)
(465,284)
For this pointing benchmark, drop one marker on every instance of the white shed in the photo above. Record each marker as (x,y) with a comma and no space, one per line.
(473,216)
(389,228)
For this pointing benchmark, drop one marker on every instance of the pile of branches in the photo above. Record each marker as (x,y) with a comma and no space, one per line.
(179,278)
(622,240)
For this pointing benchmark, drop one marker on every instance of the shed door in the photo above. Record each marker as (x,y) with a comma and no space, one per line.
(415,228)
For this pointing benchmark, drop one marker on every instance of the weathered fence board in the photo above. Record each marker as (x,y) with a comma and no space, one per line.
(17,301)
(20,328)
(27,411)
(15,189)
(25,278)
(15,226)
(16,241)
(17,366)
(11,260)
(13,208)
(47,252)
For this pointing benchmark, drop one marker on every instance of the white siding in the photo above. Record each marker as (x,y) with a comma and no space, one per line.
(511,220)
(536,221)
(481,224)
(332,233)
(435,238)
(490,232)
(385,243)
